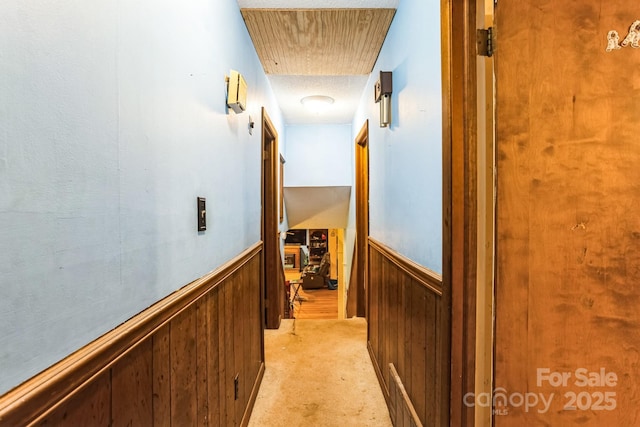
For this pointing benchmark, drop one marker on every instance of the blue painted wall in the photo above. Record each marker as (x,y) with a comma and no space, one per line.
(318,155)
(406,159)
(112,122)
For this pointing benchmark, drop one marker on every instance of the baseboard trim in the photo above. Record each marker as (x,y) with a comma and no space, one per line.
(252,399)
(45,391)
(376,368)
(400,406)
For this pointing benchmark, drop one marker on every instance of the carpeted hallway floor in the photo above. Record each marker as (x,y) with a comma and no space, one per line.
(319,374)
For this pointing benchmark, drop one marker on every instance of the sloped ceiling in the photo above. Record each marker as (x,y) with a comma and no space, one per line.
(317,207)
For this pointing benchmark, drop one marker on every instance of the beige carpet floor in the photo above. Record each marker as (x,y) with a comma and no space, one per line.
(318,373)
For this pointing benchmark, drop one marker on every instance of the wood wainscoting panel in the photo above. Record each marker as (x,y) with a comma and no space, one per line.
(132,387)
(90,406)
(183,368)
(161,377)
(193,358)
(405,329)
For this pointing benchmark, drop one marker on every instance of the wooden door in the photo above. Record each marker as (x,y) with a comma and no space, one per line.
(568,228)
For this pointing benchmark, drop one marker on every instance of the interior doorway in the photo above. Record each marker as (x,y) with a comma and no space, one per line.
(273,284)
(362,219)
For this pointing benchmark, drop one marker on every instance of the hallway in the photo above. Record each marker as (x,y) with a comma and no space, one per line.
(328,376)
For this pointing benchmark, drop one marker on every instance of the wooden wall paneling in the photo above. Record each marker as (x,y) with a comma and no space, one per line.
(161,360)
(383,322)
(172,364)
(407,373)
(90,405)
(400,325)
(213,360)
(406,305)
(224,366)
(184,393)
(374,304)
(419,319)
(239,320)
(229,350)
(202,358)
(132,387)
(254,341)
(255,321)
(431,309)
(258,319)
(394,284)
(442,365)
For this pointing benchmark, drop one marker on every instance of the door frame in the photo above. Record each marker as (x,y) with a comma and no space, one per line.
(362,219)
(461,251)
(273,289)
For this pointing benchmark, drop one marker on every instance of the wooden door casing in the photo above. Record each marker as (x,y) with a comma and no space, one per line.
(273,270)
(362,218)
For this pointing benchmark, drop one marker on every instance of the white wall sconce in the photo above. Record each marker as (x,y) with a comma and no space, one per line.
(383,89)
(236,92)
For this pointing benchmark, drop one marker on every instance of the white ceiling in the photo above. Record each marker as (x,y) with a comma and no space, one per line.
(345,90)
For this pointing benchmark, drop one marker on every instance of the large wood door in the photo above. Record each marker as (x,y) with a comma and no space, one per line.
(568,228)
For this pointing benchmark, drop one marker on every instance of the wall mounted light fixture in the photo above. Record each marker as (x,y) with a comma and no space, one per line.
(236,92)
(383,89)
(317,103)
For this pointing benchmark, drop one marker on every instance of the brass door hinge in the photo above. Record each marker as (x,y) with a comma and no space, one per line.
(485,42)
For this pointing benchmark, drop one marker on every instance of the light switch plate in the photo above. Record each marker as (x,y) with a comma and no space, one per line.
(202,214)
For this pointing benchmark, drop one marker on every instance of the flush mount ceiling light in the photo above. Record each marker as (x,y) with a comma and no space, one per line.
(317,103)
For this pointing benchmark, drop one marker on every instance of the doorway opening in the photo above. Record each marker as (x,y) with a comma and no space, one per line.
(273,282)
(358,295)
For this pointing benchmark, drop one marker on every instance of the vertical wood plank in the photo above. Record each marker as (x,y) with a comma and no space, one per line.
(418,350)
(223,324)
(132,387)
(238,342)
(257,336)
(382,344)
(392,346)
(162,377)
(384,318)
(374,303)
(184,393)
(202,356)
(400,343)
(408,331)
(431,309)
(213,362)
(90,406)
(230,351)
